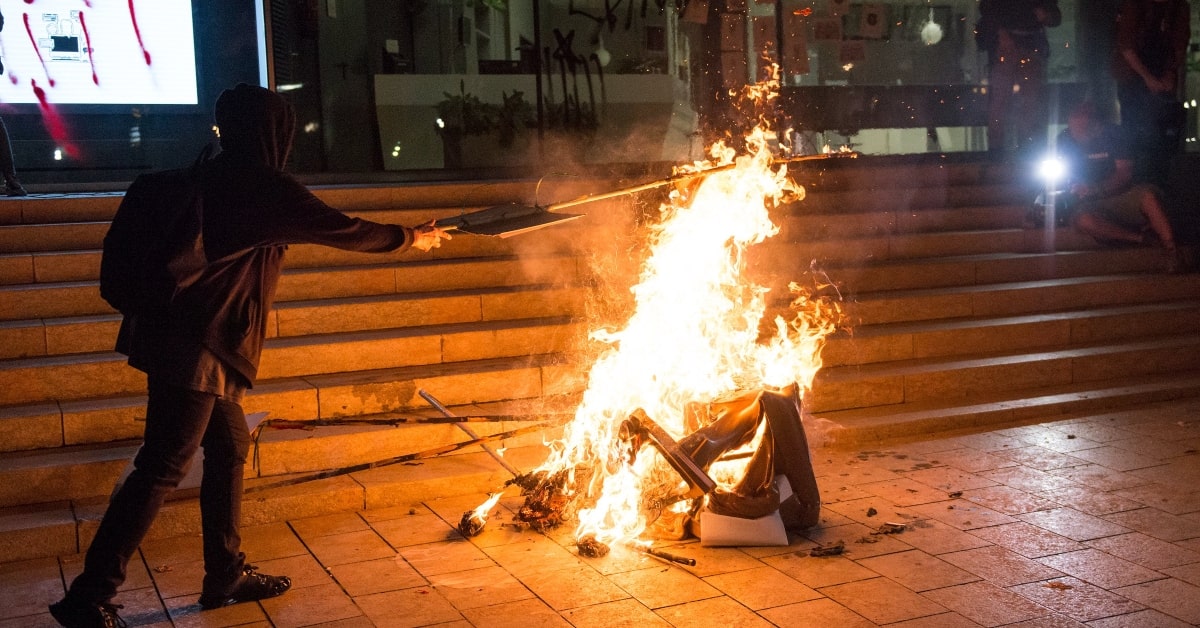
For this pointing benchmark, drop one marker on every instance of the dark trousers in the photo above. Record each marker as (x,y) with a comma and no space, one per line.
(1017,96)
(1153,129)
(178,422)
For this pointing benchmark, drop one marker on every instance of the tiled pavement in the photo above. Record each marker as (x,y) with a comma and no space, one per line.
(1092,520)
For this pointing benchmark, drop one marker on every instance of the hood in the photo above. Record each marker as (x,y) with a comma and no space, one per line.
(256,125)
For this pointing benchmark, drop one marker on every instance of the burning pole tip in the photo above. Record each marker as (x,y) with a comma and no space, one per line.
(473,521)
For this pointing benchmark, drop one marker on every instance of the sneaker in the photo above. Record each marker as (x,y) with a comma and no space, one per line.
(251,587)
(14,188)
(74,614)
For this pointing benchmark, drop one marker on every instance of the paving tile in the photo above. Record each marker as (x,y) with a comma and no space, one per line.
(1183,472)
(446,557)
(1117,458)
(1028,540)
(1062,441)
(622,559)
(325,525)
(991,442)
(764,587)
(822,612)
(1053,620)
(362,622)
(859,540)
(714,560)
(972,460)
(479,587)
(41,620)
(1188,573)
(1156,523)
(1090,501)
(28,586)
(1027,479)
(881,600)
(663,586)
(917,570)
(904,492)
(137,574)
(271,541)
(376,576)
(1077,599)
(628,613)
(304,570)
(418,606)
(1092,430)
(872,511)
(1155,447)
(1099,568)
(531,613)
(169,551)
(1008,500)
(1072,524)
(532,554)
(963,514)
(700,614)
(949,479)
(819,571)
(1146,551)
(142,607)
(1000,566)
(851,472)
(349,547)
(1170,596)
(1148,618)
(1098,477)
(944,620)
(185,612)
(573,587)
(795,543)
(1175,500)
(179,579)
(986,603)
(1040,458)
(934,537)
(418,529)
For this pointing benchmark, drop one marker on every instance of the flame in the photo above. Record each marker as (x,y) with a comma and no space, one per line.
(696,335)
(481,511)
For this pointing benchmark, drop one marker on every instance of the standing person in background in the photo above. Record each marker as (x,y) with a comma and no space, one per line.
(1152,38)
(201,350)
(8,167)
(1013,33)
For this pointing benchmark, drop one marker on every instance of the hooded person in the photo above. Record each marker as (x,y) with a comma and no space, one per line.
(202,352)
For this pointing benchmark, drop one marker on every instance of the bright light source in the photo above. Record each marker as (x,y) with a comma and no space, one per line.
(288,87)
(57,154)
(441,124)
(1052,169)
(311,127)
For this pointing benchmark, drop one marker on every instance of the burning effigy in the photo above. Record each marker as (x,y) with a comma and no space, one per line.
(690,424)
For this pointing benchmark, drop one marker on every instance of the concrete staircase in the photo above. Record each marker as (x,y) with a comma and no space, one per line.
(960,318)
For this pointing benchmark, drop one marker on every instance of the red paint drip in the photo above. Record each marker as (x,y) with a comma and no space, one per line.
(137,31)
(54,122)
(28,1)
(33,41)
(87,39)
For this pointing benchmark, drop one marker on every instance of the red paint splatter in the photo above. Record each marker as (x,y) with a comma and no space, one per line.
(87,39)
(33,41)
(54,122)
(28,1)
(137,31)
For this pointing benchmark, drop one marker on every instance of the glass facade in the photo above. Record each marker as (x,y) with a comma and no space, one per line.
(428,88)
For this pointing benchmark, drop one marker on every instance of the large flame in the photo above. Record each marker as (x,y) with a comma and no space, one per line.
(696,335)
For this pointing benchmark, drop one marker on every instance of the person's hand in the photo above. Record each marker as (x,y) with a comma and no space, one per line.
(428,236)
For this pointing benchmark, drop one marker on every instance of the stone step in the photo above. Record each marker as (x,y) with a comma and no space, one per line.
(801,224)
(957,377)
(63,528)
(93,333)
(82,472)
(75,377)
(889,342)
(105,419)
(1022,297)
(856,427)
(82,298)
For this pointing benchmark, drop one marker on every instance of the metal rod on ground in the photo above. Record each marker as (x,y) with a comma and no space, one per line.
(291,424)
(448,414)
(668,556)
(366,466)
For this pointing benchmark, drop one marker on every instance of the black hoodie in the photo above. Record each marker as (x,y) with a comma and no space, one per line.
(252,211)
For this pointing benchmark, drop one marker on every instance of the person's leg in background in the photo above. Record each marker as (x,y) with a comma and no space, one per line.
(8,167)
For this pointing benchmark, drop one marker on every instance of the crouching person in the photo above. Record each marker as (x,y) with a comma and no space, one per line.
(192,261)
(1107,202)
